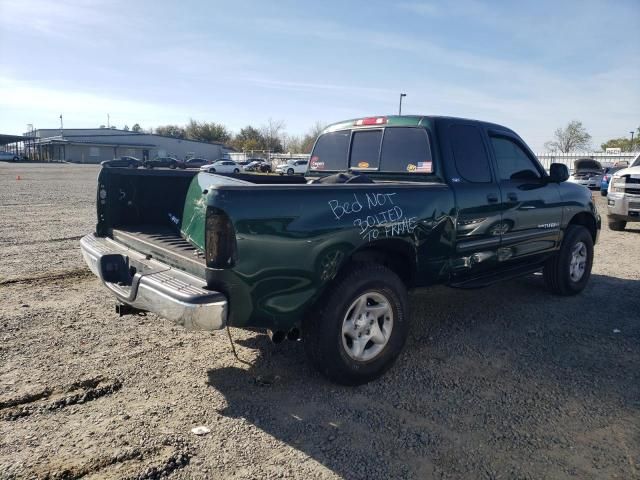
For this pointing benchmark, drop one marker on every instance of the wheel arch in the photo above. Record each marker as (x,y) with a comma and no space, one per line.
(586,220)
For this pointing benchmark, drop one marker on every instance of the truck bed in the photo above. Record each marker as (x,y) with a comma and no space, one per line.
(161,242)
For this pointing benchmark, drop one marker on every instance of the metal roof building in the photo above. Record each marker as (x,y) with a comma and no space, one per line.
(93,145)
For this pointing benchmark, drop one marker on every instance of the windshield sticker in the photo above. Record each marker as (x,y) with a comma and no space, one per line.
(411,167)
(363,165)
(424,167)
(377,215)
(316,163)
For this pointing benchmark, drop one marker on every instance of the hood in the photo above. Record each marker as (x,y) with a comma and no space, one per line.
(633,171)
(583,164)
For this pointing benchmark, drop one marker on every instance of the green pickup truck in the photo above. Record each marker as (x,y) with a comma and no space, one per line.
(388,204)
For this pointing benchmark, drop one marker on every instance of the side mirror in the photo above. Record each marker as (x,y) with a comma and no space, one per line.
(558,172)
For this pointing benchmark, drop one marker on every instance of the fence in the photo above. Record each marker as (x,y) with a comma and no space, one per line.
(606,159)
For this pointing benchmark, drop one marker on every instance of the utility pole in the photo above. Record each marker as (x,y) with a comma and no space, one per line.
(631,146)
(400,107)
(61,127)
(108,120)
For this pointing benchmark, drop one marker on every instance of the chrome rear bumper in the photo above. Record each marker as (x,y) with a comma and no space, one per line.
(147,284)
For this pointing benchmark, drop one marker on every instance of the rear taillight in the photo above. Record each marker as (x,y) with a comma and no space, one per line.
(220,240)
(370,121)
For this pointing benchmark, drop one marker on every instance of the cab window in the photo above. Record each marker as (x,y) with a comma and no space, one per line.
(365,150)
(469,153)
(406,149)
(330,152)
(513,162)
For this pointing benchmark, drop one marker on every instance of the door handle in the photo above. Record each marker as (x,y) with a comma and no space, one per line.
(492,197)
(512,196)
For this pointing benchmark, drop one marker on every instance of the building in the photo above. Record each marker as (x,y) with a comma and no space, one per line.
(94,145)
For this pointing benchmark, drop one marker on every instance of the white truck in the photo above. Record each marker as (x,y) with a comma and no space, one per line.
(623,196)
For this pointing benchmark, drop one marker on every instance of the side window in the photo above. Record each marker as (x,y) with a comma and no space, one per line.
(365,150)
(469,153)
(513,162)
(406,150)
(330,152)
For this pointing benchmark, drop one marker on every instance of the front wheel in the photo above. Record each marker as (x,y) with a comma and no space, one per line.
(290,171)
(212,170)
(617,225)
(568,271)
(235,170)
(361,327)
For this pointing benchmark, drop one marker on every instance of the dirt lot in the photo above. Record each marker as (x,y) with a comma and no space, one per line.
(506,382)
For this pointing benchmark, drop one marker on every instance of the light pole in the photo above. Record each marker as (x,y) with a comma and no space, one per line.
(631,146)
(400,107)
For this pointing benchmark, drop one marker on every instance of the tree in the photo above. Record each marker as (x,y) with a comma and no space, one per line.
(174,131)
(249,138)
(310,137)
(272,132)
(207,131)
(136,127)
(126,128)
(623,143)
(569,139)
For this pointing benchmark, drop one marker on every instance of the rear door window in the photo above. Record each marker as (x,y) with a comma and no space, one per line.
(330,152)
(406,149)
(365,150)
(469,153)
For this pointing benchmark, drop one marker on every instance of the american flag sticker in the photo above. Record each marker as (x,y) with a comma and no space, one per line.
(423,167)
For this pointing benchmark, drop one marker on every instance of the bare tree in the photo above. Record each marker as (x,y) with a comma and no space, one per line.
(272,132)
(569,139)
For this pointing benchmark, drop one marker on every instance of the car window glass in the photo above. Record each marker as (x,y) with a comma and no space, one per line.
(513,163)
(330,151)
(469,153)
(406,150)
(365,150)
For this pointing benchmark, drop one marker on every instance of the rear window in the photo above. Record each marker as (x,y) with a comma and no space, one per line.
(365,150)
(330,152)
(469,153)
(406,150)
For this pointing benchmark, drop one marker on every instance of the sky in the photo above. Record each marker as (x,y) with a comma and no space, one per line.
(532,66)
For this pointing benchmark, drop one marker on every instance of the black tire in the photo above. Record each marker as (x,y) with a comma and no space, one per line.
(172,166)
(212,170)
(617,225)
(235,170)
(557,269)
(290,171)
(603,193)
(322,331)
(132,165)
(16,159)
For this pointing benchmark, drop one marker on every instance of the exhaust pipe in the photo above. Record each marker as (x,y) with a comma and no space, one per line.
(276,337)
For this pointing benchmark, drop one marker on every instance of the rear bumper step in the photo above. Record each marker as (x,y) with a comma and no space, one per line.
(146,284)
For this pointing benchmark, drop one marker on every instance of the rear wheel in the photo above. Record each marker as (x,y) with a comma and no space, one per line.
(235,170)
(290,171)
(568,271)
(617,225)
(212,170)
(361,327)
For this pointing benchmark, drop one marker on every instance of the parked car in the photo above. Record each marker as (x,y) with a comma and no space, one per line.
(221,166)
(623,197)
(608,173)
(126,162)
(158,162)
(10,156)
(332,260)
(194,163)
(587,172)
(259,165)
(293,167)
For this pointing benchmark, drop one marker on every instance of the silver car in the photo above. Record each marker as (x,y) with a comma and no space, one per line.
(587,172)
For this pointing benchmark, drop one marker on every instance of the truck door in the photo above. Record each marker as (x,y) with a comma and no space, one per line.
(478,218)
(532,211)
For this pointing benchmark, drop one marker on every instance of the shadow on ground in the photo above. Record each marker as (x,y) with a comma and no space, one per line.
(507,381)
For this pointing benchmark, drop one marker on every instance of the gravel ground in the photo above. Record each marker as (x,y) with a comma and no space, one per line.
(505,382)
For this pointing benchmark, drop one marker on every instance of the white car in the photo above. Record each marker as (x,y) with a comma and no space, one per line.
(9,156)
(587,172)
(292,167)
(623,196)
(221,166)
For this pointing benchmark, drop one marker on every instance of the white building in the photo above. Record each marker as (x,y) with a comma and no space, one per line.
(93,145)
